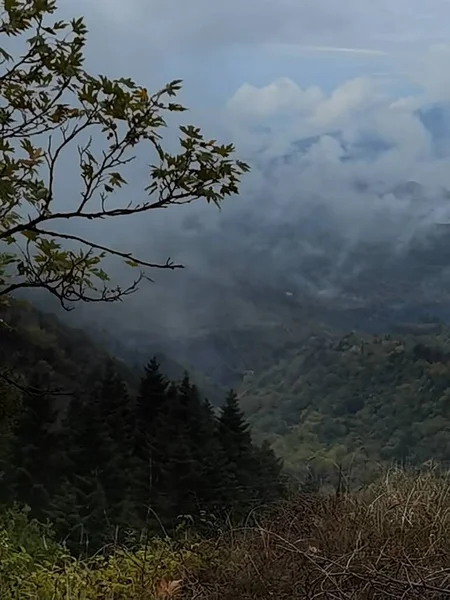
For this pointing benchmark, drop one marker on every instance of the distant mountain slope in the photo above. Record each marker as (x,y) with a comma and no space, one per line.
(32,341)
(356,400)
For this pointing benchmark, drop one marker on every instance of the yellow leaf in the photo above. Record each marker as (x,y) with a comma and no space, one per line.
(143,94)
(168,589)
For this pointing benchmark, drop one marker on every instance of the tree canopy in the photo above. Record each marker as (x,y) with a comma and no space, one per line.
(49,103)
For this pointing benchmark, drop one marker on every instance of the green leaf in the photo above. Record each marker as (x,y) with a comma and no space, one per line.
(30,235)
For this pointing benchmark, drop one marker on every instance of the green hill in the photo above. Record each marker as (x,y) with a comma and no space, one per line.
(32,341)
(355,402)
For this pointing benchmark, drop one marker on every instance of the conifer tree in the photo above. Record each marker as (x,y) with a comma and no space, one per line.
(88,450)
(86,435)
(150,439)
(268,473)
(32,476)
(234,435)
(219,480)
(64,514)
(184,469)
(117,474)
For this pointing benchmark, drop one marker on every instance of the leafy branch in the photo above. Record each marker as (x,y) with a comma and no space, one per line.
(46,92)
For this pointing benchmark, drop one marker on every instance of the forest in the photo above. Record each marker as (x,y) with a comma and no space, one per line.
(119,484)
(105,460)
(356,402)
(222,436)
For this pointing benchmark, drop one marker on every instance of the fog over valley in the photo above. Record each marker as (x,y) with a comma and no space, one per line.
(347,132)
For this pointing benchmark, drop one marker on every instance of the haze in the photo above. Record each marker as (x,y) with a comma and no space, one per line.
(336,106)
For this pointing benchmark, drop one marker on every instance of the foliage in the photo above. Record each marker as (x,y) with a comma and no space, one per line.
(106,465)
(387,540)
(48,104)
(45,572)
(346,406)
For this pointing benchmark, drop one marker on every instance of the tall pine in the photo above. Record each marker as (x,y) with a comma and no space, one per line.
(235,439)
(150,447)
(117,473)
(32,476)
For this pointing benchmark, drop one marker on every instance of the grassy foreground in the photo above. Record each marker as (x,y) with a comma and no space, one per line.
(390,540)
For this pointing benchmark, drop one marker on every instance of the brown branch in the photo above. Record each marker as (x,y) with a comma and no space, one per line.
(125,255)
(182,198)
(32,391)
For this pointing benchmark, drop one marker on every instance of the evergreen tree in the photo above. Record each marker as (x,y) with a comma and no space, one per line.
(184,469)
(217,482)
(234,436)
(97,529)
(117,474)
(10,412)
(150,440)
(64,513)
(86,435)
(88,450)
(268,473)
(32,475)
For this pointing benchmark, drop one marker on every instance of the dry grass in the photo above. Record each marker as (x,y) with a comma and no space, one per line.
(391,540)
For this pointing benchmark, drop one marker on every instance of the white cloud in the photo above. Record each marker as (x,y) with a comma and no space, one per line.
(309,139)
(280,96)
(345,101)
(325,145)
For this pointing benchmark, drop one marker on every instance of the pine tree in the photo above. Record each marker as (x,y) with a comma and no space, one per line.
(151,441)
(234,436)
(183,423)
(118,473)
(10,412)
(220,478)
(97,529)
(64,514)
(88,450)
(32,476)
(86,435)
(268,473)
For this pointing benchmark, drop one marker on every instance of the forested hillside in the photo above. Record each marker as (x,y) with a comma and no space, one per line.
(106,453)
(356,402)
(35,343)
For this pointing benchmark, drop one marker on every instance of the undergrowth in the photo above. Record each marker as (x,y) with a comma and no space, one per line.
(390,540)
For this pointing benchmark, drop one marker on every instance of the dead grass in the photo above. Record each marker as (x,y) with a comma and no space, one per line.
(391,540)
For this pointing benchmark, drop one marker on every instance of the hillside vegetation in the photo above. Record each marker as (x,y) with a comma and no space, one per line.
(386,541)
(355,402)
(107,459)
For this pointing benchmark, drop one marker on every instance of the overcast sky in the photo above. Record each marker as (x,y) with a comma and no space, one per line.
(334,85)
(308,66)
(269,74)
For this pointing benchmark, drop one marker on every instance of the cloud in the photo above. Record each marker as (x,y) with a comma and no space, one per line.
(319,132)
(352,150)
(345,101)
(282,96)
(346,24)
(339,50)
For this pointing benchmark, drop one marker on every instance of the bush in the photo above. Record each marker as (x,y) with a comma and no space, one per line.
(33,567)
(389,540)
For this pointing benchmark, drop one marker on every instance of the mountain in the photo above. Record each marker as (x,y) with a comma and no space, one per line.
(37,343)
(357,402)
(237,307)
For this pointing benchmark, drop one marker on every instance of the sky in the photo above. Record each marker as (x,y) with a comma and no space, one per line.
(326,99)
(268,73)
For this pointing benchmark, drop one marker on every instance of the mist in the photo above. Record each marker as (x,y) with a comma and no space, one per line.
(348,137)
